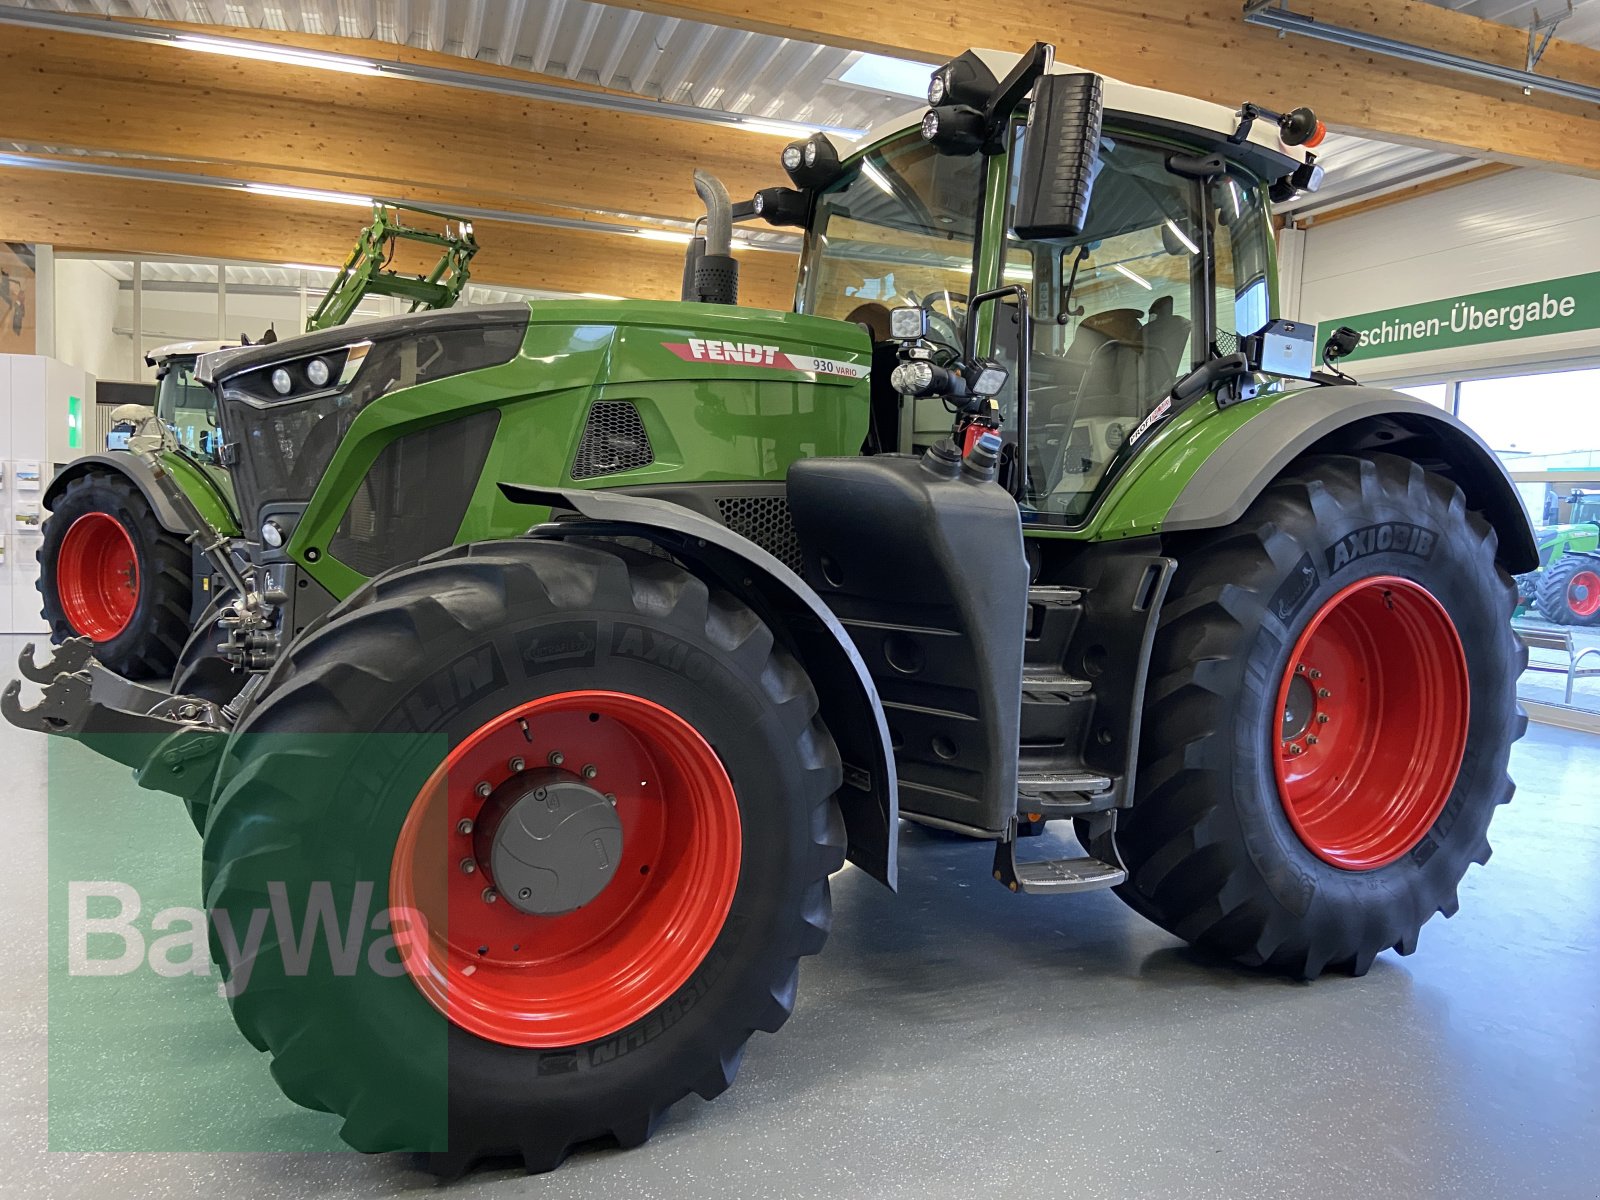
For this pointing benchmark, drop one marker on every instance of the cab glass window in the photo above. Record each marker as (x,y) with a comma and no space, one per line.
(1114,322)
(897,230)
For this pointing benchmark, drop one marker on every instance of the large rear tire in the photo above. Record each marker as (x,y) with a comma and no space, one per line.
(1569,590)
(572,668)
(1331,707)
(109,571)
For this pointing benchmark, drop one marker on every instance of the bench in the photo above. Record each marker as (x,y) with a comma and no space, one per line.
(1538,637)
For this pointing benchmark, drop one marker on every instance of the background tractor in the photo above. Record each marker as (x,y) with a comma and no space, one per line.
(116,563)
(1566,586)
(1034,511)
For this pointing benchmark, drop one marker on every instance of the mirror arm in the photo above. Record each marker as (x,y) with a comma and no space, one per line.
(1019,478)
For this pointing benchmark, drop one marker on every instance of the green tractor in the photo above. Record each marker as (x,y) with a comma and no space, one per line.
(587,639)
(1565,588)
(118,560)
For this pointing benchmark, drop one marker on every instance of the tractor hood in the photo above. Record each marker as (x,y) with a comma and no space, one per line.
(362,433)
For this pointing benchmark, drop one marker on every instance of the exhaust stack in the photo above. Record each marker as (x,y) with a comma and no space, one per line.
(710,275)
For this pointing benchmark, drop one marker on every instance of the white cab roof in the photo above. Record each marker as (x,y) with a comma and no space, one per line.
(1122,97)
(184,350)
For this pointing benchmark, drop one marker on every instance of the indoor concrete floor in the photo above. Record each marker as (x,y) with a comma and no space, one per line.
(957,1040)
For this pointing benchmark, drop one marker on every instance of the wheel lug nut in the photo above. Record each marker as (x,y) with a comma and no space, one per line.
(1293,749)
(1322,718)
(590,771)
(611,799)
(490,895)
(464,825)
(557,758)
(483,789)
(1316,674)
(1311,739)
(468,866)
(1324,693)
(516,766)
(1300,668)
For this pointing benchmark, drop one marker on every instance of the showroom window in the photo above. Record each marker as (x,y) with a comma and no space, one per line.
(1542,425)
(1432,393)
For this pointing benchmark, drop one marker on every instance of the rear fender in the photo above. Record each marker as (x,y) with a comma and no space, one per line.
(136,470)
(869,799)
(1347,419)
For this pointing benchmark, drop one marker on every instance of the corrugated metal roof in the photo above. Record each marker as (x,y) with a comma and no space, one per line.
(1583,26)
(686,62)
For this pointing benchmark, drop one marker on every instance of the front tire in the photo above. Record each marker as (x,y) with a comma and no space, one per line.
(574,668)
(1331,708)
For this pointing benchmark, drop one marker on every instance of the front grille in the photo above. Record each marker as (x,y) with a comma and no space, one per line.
(765,520)
(614,440)
(415,496)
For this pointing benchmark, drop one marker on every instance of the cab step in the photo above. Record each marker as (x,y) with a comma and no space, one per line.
(1037,784)
(1048,594)
(1053,877)
(1051,679)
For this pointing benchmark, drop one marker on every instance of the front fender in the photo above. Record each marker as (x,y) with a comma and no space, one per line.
(1260,439)
(869,799)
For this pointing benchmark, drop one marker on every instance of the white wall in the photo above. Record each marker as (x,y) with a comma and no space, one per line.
(90,307)
(1520,227)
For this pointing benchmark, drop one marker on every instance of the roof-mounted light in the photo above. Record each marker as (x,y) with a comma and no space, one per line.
(962,80)
(782,206)
(812,162)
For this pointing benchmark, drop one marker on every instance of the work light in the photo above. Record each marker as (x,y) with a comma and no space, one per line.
(908,324)
(954,129)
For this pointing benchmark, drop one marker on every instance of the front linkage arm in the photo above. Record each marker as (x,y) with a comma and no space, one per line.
(179,738)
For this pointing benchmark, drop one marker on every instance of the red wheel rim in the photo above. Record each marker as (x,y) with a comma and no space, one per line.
(1583,593)
(546,981)
(1374,705)
(97,576)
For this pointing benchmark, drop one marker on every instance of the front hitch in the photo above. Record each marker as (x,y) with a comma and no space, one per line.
(173,743)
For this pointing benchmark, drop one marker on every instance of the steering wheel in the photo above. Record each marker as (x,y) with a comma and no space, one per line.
(942,328)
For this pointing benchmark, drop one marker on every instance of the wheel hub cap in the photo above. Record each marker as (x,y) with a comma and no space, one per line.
(554,920)
(548,843)
(1583,594)
(1375,706)
(97,576)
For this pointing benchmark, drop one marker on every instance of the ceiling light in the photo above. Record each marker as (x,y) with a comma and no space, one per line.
(789,129)
(277,54)
(285,192)
(1182,236)
(1144,283)
(662,235)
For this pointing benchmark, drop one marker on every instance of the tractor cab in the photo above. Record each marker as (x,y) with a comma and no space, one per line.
(183,404)
(1155,267)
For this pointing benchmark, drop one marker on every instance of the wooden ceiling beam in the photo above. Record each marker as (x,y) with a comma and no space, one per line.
(1208,51)
(122,216)
(84,91)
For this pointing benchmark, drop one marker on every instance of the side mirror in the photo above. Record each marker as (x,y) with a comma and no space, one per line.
(1060,156)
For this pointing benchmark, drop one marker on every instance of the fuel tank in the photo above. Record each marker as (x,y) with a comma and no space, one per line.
(921,559)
